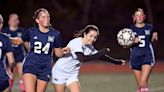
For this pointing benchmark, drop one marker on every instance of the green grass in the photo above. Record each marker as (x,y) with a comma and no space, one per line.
(112,82)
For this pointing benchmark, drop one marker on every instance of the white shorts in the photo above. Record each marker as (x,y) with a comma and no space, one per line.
(61,77)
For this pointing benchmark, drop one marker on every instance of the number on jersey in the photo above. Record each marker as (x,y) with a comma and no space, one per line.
(38,48)
(142,41)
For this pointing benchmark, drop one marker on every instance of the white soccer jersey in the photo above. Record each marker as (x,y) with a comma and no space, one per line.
(69,62)
(66,69)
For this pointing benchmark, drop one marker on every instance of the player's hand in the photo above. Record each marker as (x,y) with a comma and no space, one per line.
(154,37)
(106,50)
(120,62)
(123,62)
(66,50)
(137,40)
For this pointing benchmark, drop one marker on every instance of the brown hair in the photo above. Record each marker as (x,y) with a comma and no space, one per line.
(13,14)
(86,30)
(37,14)
(38,11)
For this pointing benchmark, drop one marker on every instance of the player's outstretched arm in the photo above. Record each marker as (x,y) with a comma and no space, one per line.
(108,58)
(85,58)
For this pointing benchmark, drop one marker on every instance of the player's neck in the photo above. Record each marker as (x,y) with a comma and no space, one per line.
(13,28)
(140,25)
(43,29)
(84,41)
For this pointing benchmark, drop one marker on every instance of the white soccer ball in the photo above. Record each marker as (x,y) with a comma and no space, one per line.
(125,37)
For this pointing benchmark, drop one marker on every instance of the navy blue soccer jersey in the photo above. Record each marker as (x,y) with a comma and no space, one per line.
(18,49)
(5,47)
(145,34)
(41,44)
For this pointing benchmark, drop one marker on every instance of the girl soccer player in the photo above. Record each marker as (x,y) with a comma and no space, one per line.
(15,31)
(43,41)
(66,70)
(142,54)
(5,50)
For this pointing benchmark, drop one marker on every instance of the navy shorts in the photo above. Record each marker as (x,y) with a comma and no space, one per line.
(18,57)
(43,72)
(138,60)
(4,85)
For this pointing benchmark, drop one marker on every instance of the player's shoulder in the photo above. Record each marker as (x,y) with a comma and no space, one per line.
(32,28)
(132,26)
(54,30)
(6,29)
(77,40)
(148,25)
(4,36)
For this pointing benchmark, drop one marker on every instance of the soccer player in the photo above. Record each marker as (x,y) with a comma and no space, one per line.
(5,50)
(15,31)
(66,70)
(142,54)
(43,41)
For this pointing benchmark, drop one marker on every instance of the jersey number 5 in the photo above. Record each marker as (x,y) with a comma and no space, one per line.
(38,48)
(142,41)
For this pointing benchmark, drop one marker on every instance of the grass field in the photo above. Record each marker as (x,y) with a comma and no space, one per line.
(111,82)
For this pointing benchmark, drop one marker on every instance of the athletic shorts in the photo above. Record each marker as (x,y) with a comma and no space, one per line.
(4,85)
(18,57)
(137,61)
(43,72)
(61,77)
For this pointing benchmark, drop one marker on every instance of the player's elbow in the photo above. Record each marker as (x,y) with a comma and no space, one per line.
(59,53)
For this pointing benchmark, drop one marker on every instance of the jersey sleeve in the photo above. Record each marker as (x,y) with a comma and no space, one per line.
(57,41)
(76,46)
(154,29)
(9,47)
(25,36)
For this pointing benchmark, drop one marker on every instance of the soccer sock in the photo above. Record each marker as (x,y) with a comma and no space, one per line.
(22,88)
(145,89)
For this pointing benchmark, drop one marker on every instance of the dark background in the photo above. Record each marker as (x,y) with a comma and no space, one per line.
(109,15)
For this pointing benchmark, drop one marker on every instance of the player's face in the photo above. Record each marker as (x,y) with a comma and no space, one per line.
(90,37)
(13,20)
(43,19)
(139,17)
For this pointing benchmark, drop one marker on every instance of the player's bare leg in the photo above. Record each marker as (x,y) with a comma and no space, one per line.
(7,90)
(11,78)
(20,75)
(146,69)
(30,82)
(74,87)
(41,85)
(137,75)
(59,87)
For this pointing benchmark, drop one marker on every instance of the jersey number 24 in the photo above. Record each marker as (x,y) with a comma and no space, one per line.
(38,47)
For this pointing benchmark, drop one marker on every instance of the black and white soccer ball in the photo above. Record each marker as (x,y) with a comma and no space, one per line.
(125,37)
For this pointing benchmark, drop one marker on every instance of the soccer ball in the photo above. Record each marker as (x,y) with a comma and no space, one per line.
(125,37)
